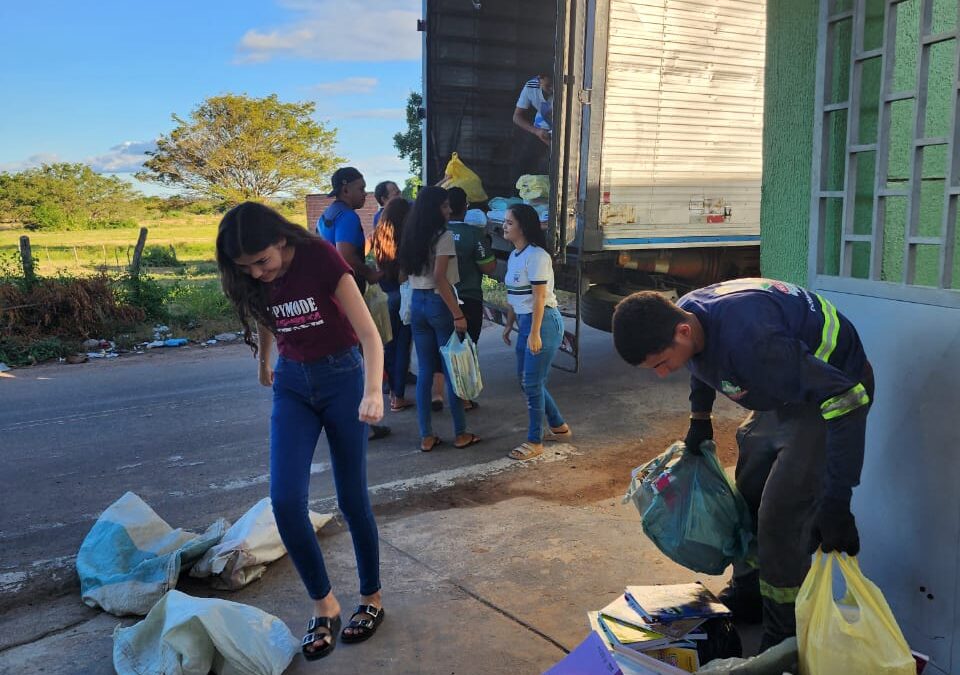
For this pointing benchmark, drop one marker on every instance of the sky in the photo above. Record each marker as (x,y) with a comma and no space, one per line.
(97,82)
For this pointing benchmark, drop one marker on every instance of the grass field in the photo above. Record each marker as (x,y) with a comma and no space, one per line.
(90,251)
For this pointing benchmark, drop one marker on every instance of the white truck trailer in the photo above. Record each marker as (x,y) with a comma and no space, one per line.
(657,131)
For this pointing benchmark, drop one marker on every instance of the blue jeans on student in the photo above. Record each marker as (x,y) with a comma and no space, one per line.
(397,351)
(432,326)
(533,369)
(309,398)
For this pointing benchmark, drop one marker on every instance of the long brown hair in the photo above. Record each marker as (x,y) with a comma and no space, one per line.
(247,229)
(386,238)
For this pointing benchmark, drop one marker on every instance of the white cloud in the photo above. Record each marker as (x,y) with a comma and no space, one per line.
(333,30)
(127,157)
(349,85)
(31,162)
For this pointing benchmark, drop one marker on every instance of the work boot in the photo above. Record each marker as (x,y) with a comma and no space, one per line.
(742,597)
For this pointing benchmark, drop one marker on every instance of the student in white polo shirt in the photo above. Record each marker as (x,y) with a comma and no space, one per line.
(533,306)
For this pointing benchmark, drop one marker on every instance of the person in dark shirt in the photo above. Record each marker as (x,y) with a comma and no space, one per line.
(301,294)
(385,192)
(790,357)
(474,259)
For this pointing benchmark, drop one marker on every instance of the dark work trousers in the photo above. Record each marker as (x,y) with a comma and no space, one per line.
(780,473)
(473,311)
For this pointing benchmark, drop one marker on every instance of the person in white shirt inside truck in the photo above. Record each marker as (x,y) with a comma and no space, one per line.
(533,152)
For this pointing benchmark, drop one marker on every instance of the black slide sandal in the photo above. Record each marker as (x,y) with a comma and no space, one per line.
(331,624)
(367,627)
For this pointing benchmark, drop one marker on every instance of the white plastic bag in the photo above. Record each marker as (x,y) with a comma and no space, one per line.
(248,546)
(406,299)
(131,556)
(463,364)
(183,635)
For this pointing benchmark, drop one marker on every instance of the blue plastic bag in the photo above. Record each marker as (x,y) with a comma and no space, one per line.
(691,510)
(463,365)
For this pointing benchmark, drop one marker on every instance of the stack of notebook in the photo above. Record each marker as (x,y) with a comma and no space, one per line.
(662,622)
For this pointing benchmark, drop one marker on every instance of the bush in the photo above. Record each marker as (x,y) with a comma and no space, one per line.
(64,308)
(143,293)
(21,352)
(49,216)
(198,302)
(160,256)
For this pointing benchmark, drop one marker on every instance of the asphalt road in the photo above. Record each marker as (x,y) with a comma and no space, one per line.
(187,430)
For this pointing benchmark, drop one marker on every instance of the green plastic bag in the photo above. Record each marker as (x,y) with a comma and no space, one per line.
(691,510)
(858,634)
(463,365)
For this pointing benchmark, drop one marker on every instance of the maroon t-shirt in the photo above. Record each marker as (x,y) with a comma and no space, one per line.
(309,321)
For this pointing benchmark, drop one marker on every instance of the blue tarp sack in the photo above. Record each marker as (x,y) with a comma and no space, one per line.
(463,365)
(691,510)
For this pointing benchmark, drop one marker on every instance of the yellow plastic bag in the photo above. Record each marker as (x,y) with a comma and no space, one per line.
(533,187)
(377,303)
(457,174)
(856,635)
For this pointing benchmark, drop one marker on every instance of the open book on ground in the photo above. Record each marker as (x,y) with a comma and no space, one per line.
(669,603)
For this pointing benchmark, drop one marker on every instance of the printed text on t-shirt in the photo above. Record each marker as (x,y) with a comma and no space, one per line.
(296,315)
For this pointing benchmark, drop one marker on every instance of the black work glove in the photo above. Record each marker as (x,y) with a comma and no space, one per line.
(700,431)
(834,528)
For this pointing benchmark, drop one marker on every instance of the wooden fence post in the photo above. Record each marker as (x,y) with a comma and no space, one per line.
(137,252)
(26,257)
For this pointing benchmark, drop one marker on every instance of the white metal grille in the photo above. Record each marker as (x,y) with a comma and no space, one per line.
(886,170)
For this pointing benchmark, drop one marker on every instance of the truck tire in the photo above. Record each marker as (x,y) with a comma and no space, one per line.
(597,305)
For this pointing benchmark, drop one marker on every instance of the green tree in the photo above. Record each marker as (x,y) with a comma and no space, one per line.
(409,143)
(234,148)
(63,195)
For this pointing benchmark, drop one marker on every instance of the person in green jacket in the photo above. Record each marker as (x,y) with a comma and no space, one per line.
(474,259)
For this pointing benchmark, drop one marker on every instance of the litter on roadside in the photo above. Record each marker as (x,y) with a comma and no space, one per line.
(183,635)
(247,547)
(102,355)
(226,337)
(4,367)
(131,556)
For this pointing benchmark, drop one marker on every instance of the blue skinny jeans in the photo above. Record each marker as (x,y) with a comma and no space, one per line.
(533,369)
(432,326)
(397,351)
(309,398)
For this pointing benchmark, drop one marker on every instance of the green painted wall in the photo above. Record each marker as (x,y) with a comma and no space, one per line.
(788,138)
(788,146)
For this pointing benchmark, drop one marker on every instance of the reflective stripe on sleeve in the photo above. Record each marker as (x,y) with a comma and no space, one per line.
(847,402)
(782,596)
(831,330)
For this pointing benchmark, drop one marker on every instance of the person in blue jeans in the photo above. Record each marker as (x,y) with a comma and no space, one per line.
(301,294)
(533,306)
(428,257)
(397,352)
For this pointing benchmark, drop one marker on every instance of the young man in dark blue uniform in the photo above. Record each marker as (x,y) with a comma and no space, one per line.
(340,225)
(786,354)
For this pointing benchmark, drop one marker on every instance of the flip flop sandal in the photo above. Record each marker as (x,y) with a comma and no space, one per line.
(377,432)
(470,405)
(436,441)
(436,405)
(363,629)
(474,439)
(397,407)
(558,436)
(524,451)
(331,624)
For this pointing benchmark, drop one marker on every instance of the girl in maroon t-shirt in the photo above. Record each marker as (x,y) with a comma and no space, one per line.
(301,292)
